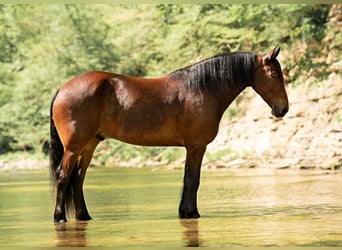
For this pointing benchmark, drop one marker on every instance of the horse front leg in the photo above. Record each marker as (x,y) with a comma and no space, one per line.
(192,172)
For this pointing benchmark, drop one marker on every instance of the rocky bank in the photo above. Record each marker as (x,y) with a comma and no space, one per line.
(310,135)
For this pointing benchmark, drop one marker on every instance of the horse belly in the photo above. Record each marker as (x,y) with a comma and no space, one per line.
(145,132)
(147,138)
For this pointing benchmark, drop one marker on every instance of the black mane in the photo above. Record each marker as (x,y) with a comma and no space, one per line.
(218,71)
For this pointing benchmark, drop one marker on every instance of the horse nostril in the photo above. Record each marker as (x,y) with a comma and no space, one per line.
(284,111)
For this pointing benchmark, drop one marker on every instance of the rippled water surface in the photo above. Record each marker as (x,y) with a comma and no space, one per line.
(138,207)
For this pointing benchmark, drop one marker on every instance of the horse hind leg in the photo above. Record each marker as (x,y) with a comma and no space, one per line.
(64,173)
(78,177)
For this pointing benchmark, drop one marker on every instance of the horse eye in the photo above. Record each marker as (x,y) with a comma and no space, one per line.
(274,75)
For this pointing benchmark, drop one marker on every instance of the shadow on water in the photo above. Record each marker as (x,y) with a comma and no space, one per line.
(191,235)
(71,234)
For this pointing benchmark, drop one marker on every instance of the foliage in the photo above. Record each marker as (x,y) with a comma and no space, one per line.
(42,46)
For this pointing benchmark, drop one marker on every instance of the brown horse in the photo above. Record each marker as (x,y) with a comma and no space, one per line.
(183,108)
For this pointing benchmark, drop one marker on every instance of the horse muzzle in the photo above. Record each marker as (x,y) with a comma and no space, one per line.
(279,111)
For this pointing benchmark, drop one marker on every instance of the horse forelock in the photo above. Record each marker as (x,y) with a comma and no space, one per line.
(219,71)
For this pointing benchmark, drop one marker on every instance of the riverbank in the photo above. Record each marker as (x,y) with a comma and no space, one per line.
(23,161)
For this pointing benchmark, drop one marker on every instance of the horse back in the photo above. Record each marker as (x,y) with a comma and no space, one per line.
(141,111)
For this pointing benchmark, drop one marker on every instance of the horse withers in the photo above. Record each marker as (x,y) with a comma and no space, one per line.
(182,108)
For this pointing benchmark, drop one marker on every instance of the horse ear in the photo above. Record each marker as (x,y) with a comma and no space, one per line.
(271,55)
(275,52)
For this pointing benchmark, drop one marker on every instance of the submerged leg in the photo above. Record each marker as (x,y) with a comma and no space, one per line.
(192,171)
(64,173)
(78,180)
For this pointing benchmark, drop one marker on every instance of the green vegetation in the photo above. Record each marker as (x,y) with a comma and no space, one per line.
(42,46)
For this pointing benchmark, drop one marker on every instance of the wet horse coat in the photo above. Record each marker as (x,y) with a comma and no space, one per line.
(183,108)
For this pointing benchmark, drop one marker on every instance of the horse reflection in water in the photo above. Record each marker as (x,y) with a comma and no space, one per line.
(75,234)
(72,234)
(191,234)
(183,108)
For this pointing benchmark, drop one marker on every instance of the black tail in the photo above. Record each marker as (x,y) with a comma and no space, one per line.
(56,156)
(56,147)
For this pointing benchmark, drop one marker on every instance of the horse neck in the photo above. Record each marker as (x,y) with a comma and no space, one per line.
(227,95)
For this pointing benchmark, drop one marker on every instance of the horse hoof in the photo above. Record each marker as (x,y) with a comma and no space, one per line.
(59,218)
(84,218)
(60,221)
(188,215)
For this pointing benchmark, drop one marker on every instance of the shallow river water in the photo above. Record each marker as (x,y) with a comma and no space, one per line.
(138,207)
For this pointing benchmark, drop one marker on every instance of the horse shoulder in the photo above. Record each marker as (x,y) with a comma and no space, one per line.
(198,121)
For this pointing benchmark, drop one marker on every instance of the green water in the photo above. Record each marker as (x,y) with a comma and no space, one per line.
(138,207)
